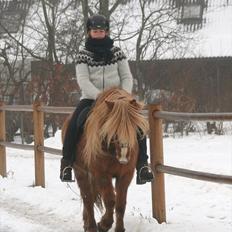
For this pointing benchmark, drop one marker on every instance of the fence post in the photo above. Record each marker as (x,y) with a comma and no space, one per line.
(2,138)
(38,117)
(156,154)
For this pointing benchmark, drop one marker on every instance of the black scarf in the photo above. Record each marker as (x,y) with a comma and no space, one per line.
(101,48)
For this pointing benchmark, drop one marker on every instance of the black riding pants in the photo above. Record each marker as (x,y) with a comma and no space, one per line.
(75,130)
(142,156)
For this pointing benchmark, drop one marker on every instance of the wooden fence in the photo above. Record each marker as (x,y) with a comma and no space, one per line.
(155,115)
(38,110)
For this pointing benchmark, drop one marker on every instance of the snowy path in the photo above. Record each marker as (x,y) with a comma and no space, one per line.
(19,216)
(37,219)
(191,206)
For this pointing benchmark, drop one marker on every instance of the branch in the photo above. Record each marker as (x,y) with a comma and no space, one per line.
(113,8)
(20,44)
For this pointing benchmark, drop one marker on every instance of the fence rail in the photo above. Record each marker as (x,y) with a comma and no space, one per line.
(22,108)
(57,110)
(155,117)
(222,179)
(17,146)
(176,116)
(49,150)
(42,108)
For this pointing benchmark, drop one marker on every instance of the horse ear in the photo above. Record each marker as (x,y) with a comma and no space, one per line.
(110,104)
(133,102)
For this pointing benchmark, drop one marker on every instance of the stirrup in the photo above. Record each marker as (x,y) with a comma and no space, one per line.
(63,177)
(139,180)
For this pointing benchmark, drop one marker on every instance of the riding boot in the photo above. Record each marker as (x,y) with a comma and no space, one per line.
(144,172)
(66,171)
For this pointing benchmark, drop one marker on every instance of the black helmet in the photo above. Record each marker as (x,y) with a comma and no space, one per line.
(97,22)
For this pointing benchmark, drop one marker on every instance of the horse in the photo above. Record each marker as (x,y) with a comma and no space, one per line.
(107,150)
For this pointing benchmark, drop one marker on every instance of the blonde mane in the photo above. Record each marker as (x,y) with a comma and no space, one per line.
(116,113)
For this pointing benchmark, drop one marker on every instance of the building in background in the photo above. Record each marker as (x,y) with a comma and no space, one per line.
(12,14)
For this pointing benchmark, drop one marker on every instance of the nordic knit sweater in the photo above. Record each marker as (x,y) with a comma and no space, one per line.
(95,76)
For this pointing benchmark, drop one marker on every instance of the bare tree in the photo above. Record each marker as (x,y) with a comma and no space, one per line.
(54,34)
(150,29)
(56,31)
(104,7)
(154,34)
(14,75)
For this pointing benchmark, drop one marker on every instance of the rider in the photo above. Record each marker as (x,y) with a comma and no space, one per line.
(100,65)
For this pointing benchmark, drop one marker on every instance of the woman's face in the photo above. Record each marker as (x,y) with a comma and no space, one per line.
(98,33)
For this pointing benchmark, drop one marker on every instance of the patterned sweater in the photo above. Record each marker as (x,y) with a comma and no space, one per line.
(95,76)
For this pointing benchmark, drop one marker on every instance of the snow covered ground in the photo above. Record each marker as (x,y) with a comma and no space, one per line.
(191,205)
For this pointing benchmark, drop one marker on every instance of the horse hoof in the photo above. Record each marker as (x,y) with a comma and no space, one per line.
(100,229)
(90,229)
(120,230)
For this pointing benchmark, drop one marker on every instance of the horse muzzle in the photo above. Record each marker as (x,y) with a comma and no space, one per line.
(123,156)
(123,160)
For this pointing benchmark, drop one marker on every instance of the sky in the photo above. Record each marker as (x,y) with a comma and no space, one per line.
(191,205)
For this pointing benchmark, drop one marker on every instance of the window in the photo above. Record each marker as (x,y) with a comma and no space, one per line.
(191,12)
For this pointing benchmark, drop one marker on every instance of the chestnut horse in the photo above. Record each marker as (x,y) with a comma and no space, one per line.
(108,149)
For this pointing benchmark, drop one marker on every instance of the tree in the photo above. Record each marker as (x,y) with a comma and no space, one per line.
(14,75)
(149,31)
(58,31)
(156,35)
(49,37)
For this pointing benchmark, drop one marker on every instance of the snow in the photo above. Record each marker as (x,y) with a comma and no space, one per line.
(216,34)
(191,205)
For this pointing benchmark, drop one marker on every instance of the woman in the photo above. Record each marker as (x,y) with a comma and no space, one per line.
(100,65)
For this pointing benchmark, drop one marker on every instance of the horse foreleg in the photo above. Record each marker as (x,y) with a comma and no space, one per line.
(88,201)
(107,193)
(122,184)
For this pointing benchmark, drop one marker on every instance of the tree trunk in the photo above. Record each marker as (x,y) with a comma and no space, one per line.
(104,8)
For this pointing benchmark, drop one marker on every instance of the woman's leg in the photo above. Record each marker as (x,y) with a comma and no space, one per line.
(72,136)
(144,173)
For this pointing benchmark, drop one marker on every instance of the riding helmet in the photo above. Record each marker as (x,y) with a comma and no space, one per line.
(97,22)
